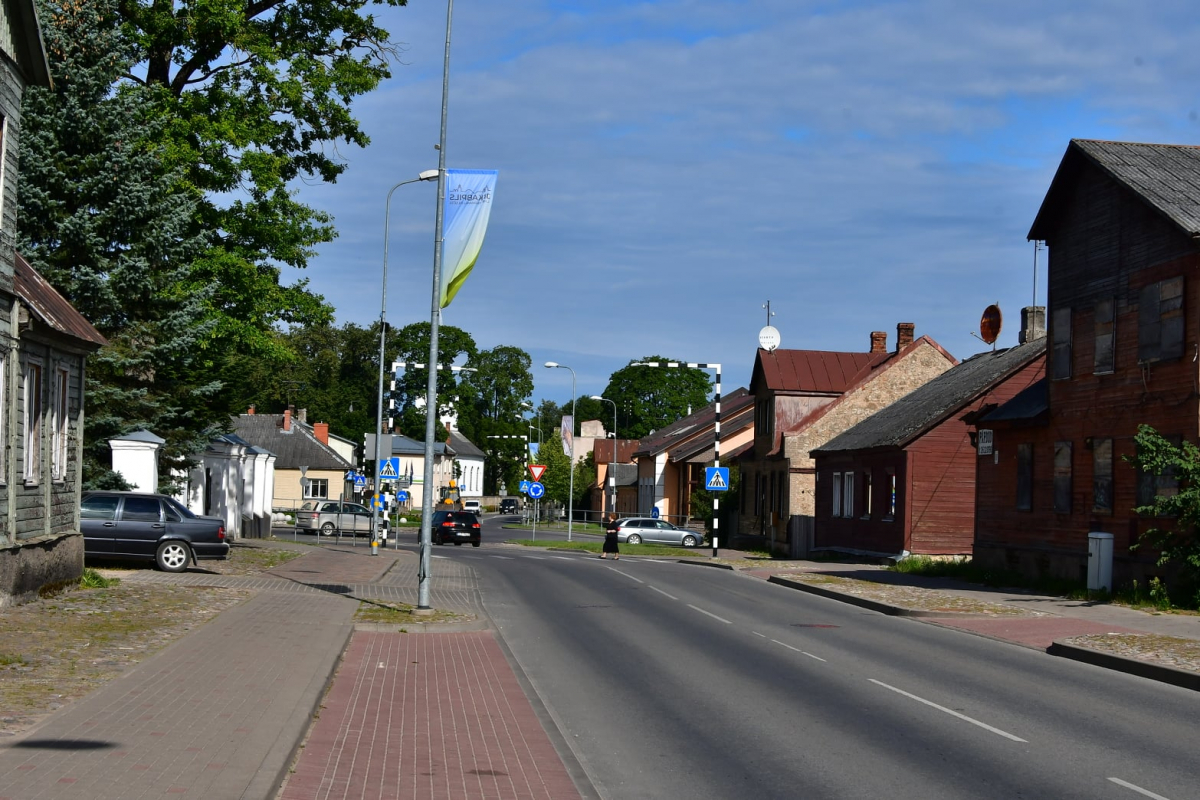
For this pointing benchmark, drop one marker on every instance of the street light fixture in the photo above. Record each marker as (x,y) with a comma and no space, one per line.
(571,458)
(427,175)
(612,476)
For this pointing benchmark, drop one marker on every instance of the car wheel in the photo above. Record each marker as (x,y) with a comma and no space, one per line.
(458,544)
(172,556)
(633,539)
(689,541)
(474,544)
(327,529)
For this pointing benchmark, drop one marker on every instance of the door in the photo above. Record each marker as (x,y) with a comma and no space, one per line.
(139,527)
(356,518)
(98,521)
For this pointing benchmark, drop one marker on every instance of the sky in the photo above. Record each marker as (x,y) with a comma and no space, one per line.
(667,168)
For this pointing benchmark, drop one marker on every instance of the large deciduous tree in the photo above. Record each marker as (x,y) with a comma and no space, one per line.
(411,345)
(648,398)
(502,383)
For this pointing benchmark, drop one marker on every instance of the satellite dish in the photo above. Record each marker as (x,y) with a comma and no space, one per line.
(768,338)
(990,324)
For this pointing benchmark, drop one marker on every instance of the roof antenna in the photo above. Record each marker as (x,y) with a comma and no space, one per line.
(768,337)
(1037,245)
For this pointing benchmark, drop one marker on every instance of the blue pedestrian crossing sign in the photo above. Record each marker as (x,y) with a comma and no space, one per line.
(716,479)
(524,487)
(360,480)
(536,490)
(389,469)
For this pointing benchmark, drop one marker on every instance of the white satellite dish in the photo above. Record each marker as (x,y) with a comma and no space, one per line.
(768,338)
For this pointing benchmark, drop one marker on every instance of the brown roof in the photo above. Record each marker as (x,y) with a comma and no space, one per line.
(51,307)
(602,450)
(814,371)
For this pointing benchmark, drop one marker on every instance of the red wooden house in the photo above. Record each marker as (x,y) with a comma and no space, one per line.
(903,480)
(1122,224)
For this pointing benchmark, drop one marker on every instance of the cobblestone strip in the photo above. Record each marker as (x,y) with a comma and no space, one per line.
(437,716)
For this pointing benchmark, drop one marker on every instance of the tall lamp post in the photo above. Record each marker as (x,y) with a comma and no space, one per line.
(716,428)
(612,477)
(571,458)
(427,175)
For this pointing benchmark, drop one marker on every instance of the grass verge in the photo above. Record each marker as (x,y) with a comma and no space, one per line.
(385,613)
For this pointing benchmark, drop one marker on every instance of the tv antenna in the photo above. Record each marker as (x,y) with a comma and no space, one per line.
(768,337)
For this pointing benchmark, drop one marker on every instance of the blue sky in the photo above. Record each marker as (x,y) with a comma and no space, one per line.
(666,168)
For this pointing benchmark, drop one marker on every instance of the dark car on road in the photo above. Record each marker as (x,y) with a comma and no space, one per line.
(455,526)
(509,505)
(636,530)
(149,526)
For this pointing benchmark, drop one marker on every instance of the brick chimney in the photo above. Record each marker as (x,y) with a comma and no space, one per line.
(878,341)
(250,410)
(1033,324)
(904,335)
(321,431)
(287,421)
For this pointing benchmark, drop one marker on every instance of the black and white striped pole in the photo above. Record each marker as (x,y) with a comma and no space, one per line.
(716,520)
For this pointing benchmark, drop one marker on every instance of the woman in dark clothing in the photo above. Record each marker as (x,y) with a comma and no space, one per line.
(610,542)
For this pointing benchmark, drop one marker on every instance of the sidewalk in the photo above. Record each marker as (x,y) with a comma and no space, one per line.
(221,713)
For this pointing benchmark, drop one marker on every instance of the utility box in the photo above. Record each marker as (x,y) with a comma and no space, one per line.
(1100,557)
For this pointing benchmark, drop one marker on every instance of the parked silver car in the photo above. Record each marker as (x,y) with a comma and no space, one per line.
(329,516)
(635,530)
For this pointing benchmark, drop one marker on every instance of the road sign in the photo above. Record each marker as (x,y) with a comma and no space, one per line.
(360,480)
(401,496)
(389,469)
(536,490)
(350,475)
(536,470)
(403,482)
(524,487)
(654,512)
(716,479)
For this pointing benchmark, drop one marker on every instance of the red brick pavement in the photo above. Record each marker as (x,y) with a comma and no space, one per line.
(1039,632)
(427,716)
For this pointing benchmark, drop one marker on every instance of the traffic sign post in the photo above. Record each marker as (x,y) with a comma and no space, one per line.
(389,469)
(536,490)
(654,513)
(716,479)
(524,486)
(537,470)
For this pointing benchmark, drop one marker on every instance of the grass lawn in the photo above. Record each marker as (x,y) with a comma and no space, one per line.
(626,549)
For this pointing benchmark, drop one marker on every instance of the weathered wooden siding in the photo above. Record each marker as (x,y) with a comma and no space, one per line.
(876,533)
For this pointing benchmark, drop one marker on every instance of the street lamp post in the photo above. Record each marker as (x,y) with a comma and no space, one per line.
(427,175)
(612,477)
(716,522)
(571,458)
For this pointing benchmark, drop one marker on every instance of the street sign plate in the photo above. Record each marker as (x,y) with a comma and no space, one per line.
(536,490)
(389,469)
(654,512)
(716,479)
(536,470)
(524,487)
(360,480)
(401,496)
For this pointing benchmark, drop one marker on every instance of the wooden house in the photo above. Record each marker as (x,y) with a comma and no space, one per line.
(902,481)
(1122,224)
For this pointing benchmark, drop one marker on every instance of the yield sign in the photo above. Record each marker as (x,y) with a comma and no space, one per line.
(536,471)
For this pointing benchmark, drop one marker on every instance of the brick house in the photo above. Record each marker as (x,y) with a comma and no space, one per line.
(903,480)
(625,470)
(804,398)
(45,345)
(1122,224)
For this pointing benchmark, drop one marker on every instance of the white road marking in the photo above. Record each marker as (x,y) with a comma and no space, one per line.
(756,633)
(951,712)
(439,556)
(536,558)
(798,650)
(626,574)
(664,594)
(1137,789)
(709,613)
(563,558)
(506,558)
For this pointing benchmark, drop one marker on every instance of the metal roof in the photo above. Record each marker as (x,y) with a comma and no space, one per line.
(462,446)
(926,406)
(812,371)
(1165,176)
(293,448)
(671,435)
(1029,403)
(50,307)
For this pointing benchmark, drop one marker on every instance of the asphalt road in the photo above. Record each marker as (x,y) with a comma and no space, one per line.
(670,680)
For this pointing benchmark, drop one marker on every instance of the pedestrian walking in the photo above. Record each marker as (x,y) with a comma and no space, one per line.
(610,542)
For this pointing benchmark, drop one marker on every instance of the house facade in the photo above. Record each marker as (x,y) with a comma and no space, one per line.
(44,343)
(1122,224)
(624,469)
(902,481)
(306,467)
(803,399)
(468,465)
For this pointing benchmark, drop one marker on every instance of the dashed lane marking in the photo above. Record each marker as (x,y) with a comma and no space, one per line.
(798,650)
(664,594)
(709,613)
(1138,789)
(951,712)
(626,574)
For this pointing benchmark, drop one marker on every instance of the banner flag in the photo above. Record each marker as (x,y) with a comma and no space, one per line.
(533,451)
(464,223)
(568,431)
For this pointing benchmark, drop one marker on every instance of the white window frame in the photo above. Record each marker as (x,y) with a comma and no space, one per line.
(61,401)
(310,483)
(848,494)
(33,422)
(837,494)
(3,418)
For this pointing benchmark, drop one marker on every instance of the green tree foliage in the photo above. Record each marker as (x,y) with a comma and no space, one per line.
(1175,471)
(492,408)
(649,398)
(410,344)
(104,221)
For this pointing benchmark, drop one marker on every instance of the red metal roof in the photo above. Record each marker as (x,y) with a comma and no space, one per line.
(818,371)
(51,307)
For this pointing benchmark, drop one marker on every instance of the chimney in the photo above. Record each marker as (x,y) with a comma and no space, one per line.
(878,341)
(250,410)
(1033,324)
(302,414)
(321,431)
(287,421)
(904,335)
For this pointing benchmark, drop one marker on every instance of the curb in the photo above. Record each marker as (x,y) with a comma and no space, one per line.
(704,564)
(861,602)
(1130,666)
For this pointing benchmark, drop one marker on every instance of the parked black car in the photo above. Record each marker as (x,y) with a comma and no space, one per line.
(150,526)
(454,526)
(509,505)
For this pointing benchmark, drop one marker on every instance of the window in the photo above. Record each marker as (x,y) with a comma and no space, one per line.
(3,386)
(1160,320)
(891,498)
(1025,477)
(1062,477)
(33,421)
(58,436)
(1102,475)
(837,494)
(848,494)
(99,507)
(1165,484)
(316,488)
(1060,357)
(783,493)
(1104,362)
(141,509)
(866,494)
